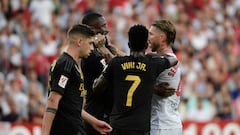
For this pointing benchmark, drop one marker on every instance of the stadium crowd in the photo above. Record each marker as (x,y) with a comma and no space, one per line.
(32,35)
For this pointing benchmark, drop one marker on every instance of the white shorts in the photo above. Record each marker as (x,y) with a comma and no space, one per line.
(177,131)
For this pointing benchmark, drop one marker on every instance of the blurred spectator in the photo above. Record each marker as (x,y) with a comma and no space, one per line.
(13,115)
(36,105)
(37,116)
(17,75)
(42,10)
(20,99)
(226,113)
(200,109)
(28,46)
(39,63)
(2,98)
(3,21)
(49,45)
(3,59)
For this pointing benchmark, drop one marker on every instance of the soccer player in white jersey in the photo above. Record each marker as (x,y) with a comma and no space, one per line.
(165,118)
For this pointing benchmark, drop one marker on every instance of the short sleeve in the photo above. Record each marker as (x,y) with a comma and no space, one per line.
(60,77)
(108,71)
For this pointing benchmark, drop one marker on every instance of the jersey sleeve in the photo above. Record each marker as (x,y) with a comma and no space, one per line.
(162,63)
(92,68)
(108,71)
(60,76)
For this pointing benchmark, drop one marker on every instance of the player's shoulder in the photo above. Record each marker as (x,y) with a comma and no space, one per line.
(120,58)
(154,56)
(65,62)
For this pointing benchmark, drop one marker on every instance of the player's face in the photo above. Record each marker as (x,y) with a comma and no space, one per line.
(86,47)
(154,38)
(100,26)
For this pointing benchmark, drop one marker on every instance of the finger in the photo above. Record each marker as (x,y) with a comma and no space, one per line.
(106,126)
(170,89)
(105,131)
(169,94)
(163,84)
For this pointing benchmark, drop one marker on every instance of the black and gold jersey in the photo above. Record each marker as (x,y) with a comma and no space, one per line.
(99,104)
(65,77)
(132,80)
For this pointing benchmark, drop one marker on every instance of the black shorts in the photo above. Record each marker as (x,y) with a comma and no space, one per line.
(128,132)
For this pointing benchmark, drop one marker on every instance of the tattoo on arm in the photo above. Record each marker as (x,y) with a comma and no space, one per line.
(52,110)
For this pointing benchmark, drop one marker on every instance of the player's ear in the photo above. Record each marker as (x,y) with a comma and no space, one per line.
(79,42)
(162,36)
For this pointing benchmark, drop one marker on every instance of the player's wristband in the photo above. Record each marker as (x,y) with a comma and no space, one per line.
(51,110)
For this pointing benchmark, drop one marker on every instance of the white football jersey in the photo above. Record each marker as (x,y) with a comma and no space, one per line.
(165,113)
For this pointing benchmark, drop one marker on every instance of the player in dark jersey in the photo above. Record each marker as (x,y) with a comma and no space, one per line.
(132,79)
(97,105)
(64,112)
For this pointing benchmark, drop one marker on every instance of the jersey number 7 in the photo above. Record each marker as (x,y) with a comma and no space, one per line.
(136,81)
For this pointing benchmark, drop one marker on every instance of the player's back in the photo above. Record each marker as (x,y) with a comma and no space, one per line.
(165,113)
(133,79)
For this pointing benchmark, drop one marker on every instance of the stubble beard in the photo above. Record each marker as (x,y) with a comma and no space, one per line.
(154,47)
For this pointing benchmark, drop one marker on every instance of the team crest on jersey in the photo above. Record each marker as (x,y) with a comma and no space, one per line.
(62,81)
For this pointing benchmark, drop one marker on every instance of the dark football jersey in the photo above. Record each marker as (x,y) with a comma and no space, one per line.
(98,105)
(92,67)
(133,79)
(65,77)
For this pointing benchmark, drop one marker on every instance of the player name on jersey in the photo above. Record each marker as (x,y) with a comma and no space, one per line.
(134,65)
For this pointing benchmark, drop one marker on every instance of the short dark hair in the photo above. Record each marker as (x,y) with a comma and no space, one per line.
(90,18)
(80,29)
(138,37)
(168,28)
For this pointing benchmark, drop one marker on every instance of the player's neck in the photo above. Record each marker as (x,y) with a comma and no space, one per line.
(137,54)
(74,54)
(164,50)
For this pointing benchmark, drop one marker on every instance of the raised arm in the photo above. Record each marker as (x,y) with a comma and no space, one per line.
(101,83)
(170,58)
(108,51)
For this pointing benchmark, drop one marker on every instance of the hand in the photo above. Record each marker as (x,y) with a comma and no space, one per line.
(102,127)
(99,40)
(163,90)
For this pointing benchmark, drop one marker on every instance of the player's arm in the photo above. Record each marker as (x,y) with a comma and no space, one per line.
(101,83)
(108,51)
(172,60)
(49,114)
(116,51)
(99,42)
(101,126)
(163,90)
